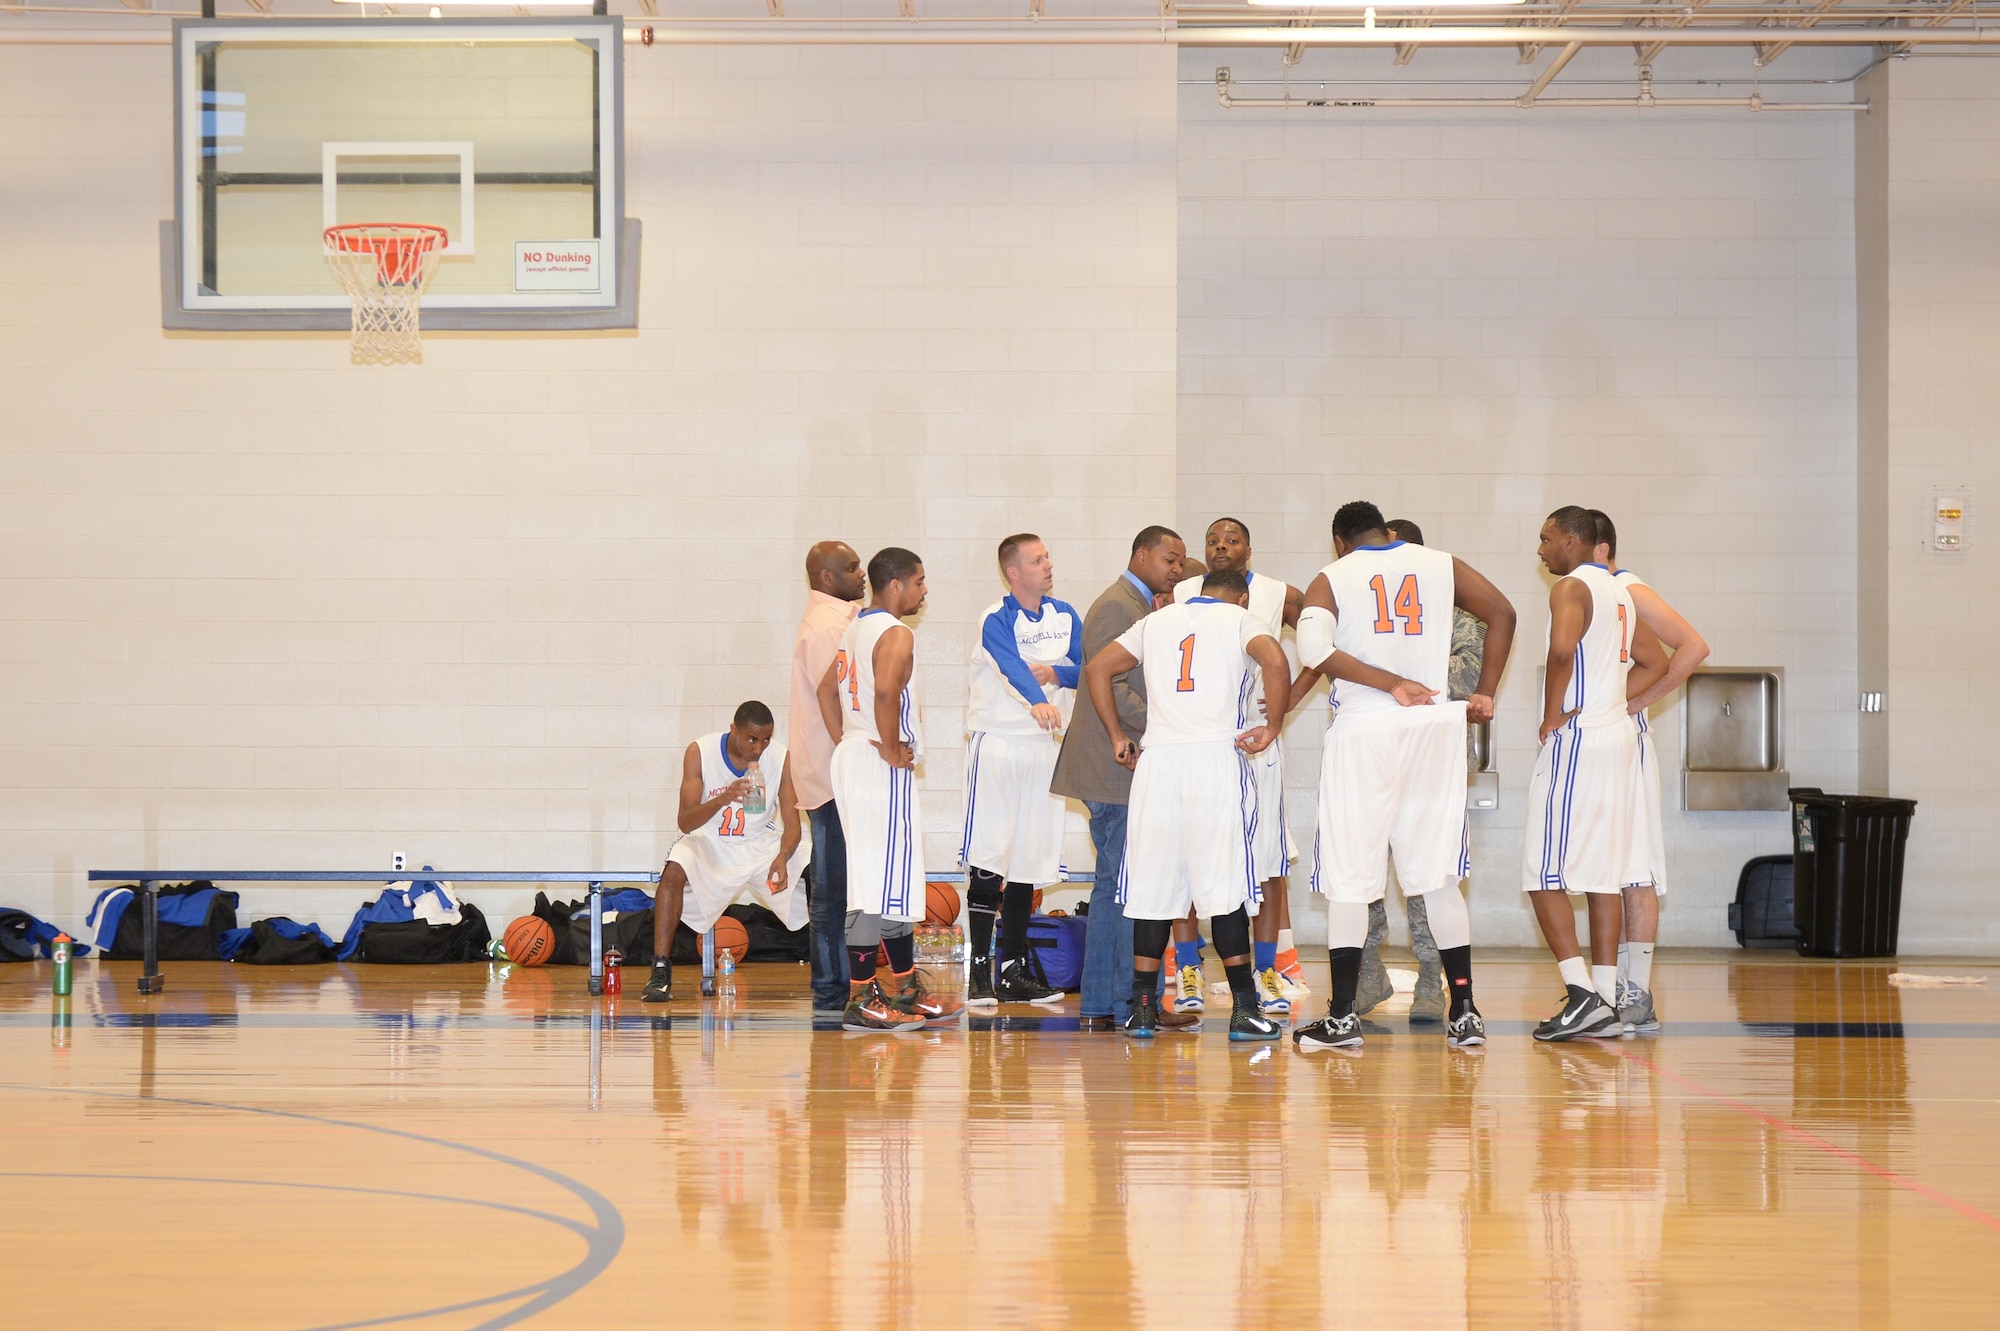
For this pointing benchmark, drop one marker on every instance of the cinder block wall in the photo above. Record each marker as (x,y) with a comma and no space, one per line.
(1472,318)
(263,607)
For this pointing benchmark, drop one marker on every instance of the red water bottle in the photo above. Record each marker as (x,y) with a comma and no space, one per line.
(613,984)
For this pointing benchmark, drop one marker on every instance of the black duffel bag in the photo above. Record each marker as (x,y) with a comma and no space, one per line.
(271,943)
(770,940)
(416,943)
(191,924)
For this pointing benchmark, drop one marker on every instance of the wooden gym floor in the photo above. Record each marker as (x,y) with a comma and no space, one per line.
(456,1147)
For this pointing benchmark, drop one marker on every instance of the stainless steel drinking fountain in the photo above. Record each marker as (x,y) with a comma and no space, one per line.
(1482,783)
(1733,739)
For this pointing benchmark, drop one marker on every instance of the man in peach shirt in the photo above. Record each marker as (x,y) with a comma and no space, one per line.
(834,574)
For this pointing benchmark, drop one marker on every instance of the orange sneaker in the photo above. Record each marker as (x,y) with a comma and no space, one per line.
(869,1009)
(919,997)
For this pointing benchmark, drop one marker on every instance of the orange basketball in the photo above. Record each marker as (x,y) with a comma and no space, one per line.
(1037,907)
(940,903)
(732,937)
(529,941)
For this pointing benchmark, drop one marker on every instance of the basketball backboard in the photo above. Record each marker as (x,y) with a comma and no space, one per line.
(505,132)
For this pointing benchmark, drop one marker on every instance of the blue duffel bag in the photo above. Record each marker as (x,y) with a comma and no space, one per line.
(1055,943)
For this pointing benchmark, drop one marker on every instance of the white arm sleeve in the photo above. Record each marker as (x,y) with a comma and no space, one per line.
(1315,635)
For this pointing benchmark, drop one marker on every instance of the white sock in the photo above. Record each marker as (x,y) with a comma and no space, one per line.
(1605,980)
(1285,943)
(1640,970)
(1624,962)
(1574,972)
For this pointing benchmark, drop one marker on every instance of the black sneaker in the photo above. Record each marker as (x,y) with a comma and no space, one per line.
(1329,1032)
(1583,1014)
(1019,984)
(1466,1030)
(979,983)
(660,986)
(1248,1022)
(1144,1019)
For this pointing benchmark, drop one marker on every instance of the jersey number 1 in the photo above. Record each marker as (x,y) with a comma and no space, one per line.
(1407,606)
(1185,684)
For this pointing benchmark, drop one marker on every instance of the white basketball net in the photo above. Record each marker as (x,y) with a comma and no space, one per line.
(384,267)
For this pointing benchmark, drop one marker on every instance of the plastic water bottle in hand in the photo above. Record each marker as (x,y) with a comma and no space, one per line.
(753,801)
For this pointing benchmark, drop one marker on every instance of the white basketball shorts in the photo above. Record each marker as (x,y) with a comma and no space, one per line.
(1649,796)
(719,875)
(1013,825)
(1585,813)
(1187,833)
(1270,844)
(884,830)
(1391,781)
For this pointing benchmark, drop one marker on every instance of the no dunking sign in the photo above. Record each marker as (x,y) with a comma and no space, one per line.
(556,265)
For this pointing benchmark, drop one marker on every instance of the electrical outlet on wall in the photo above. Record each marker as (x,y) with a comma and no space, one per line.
(399,861)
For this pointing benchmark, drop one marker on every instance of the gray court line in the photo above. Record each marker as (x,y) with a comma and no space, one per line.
(604,1240)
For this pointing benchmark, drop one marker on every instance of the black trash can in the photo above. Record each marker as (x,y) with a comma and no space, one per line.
(1847,895)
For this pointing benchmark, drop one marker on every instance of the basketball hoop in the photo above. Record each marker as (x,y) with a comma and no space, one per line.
(384,267)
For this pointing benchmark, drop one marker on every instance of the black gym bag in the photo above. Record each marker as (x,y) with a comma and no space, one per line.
(196,937)
(416,943)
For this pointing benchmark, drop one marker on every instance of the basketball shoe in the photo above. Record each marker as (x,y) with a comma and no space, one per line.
(1271,999)
(920,997)
(1583,1013)
(1466,1030)
(659,986)
(1329,1032)
(869,1009)
(1188,998)
(1246,1022)
(1018,983)
(1145,1018)
(1635,1009)
(979,983)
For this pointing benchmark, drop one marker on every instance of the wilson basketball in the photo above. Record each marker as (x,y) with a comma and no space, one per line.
(529,941)
(731,937)
(940,903)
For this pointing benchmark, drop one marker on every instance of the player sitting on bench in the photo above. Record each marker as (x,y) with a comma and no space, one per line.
(743,835)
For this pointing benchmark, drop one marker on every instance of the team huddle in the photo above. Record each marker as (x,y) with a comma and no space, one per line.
(1174,749)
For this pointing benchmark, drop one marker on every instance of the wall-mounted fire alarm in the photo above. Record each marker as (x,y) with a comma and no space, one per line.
(1948,527)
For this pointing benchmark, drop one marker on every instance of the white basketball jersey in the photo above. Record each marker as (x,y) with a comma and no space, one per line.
(1393,608)
(1267,605)
(855,669)
(1200,680)
(1596,690)
(731,827)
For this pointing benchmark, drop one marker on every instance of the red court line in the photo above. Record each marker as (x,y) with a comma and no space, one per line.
(1818,1143)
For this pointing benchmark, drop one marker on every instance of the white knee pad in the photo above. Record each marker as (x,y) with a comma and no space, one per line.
(1346,924)
(1451,923)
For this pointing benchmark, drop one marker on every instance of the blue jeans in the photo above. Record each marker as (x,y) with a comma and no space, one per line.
(829,910)
(1107,943)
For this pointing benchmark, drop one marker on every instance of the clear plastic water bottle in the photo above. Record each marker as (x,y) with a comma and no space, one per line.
(725,962)
(958,943)
(754,802)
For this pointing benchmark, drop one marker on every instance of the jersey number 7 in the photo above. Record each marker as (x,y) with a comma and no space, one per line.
(1407,606)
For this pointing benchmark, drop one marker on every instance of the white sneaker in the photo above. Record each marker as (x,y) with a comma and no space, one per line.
(1271,1000)
(1190,999)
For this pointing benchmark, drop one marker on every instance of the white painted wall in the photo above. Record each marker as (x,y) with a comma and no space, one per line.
(265,608)
(1475,317)
(1930,183)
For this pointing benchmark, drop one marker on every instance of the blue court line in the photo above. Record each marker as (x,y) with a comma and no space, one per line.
(603,1240)
(783,1022)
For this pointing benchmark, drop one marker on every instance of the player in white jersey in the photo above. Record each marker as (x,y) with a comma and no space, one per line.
(1275,605)
(1585,830)
(742,836)
(1188,838)
(1378,623)
(1687,650)
(1022,680)
(868,697)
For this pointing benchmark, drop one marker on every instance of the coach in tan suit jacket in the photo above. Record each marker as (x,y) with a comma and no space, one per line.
(1085,770)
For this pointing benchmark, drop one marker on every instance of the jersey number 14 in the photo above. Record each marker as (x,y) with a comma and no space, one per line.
(1407,607)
